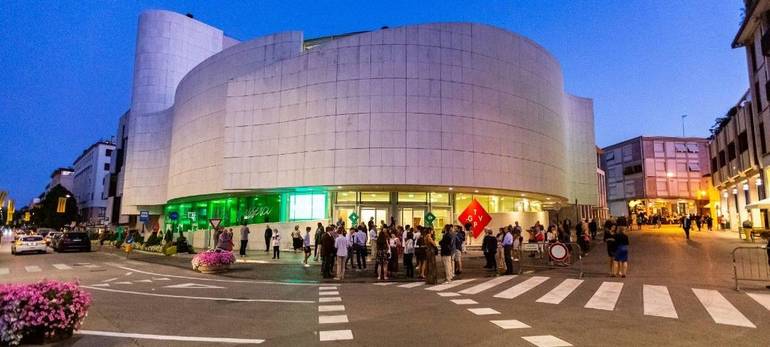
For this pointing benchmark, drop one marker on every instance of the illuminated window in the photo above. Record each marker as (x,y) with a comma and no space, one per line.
(412,197)
(346,197)
(307,206)
(375,196)
(439,198)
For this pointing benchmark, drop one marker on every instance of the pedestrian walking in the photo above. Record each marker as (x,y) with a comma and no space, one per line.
(609,240)
(431,250)
(709,223)
(244,239)
(276,239)
(698,222)
(489,247)
(341,244)
(306,244)
(621,251)
(686,225)
(447,245)
(373,240)
(268,238)
(319,233)
(409,254)
(327,253)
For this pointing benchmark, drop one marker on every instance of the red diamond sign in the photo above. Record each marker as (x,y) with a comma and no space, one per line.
(477,216)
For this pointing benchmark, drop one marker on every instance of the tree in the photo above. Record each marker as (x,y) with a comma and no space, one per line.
(45,213)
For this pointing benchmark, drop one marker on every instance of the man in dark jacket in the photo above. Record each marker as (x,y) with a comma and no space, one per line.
(489,246)
(686,225)
(327,254)
(268,237)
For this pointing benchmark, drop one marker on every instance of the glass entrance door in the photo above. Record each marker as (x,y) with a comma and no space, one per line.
(411,215)
(378,213)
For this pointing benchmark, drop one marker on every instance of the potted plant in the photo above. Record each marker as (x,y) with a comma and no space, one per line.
(214,261)
(41,312)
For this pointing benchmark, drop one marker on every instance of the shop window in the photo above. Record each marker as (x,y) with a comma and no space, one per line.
(412,197)
(375,196)
(439,198)
(307,206)
(346,197)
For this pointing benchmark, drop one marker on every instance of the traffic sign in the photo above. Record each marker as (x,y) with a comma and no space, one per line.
(173,215)
(558,251)
(353,219)
(429,218)
(477,216)
(144,216)
(215,222)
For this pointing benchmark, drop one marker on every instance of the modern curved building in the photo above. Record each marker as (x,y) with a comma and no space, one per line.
(396,122)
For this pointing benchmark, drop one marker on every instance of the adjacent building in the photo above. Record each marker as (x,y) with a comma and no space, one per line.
(658,175)
(92,169)
(602,210)
(63,176)
(388,124)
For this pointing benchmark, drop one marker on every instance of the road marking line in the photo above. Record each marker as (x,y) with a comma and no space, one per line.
(124,282)
(327,288)
(4,271)
(160,279)
(447,294)
(487,285)
(62,267)
(129,273)
(558,294)
(464,301)
(169,337)
(91,266)
(336,299)
(509,324)
(331,308)
(146,281)
(521,288)
(762,299)
(721,310)
(100,285)
(329,293)
(448,285)
(657,302)
(308,283)
(335,335)
(342,318)
(110,280)
(411,285)
(201,297)
(32,268)
(606,296)
(483,311)
(546,341)
(193,286)
(384,283)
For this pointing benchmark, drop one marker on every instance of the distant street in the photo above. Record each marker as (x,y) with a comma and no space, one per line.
(685,296)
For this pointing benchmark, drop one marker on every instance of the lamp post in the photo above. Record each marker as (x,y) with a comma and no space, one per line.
(683,117)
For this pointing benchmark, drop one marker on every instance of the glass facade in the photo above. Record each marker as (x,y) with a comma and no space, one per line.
(497,203)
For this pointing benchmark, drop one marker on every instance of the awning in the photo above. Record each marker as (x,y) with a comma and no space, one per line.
(764,203)
(707,205)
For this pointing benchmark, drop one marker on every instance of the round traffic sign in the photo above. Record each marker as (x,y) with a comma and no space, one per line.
(558,251)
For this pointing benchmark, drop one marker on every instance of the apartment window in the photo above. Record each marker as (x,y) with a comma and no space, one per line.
(693,167)
(714,166)
(762,141)
(108,152)
(743,142)
(610,156)
(731,151)
(106,166)
(633,169)
(692,148)
(753,57)
(680,148)
(759,97)
(722,158)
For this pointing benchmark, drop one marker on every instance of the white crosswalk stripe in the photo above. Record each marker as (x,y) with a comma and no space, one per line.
(487,285)
(721,310)
(558,294)
(606,296)
(62,267)
(412,285)
(762,299)
(546,341)
(449,285)
(657,302)
(521,288)
(4,271)
(33,268)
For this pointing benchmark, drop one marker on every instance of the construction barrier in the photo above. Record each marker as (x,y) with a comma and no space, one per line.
(546,255)
(750,264)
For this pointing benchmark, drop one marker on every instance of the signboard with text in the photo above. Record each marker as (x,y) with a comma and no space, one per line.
(477,216)
(144,216)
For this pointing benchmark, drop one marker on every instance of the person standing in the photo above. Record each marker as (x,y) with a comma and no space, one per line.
(686,225)
(373,241)
(341,243)
(268,238)
(276,244)
(489,247)
(380,267)
(609,240)
(296,239)
(351,242)
(244,239)
(306,244)
(429,268)
(226,240)
(698,222)
(360,247)
(621,251)
(319,233)
(593,228)
(409,254)
(457,256)
(327,253)
(420,252)
(447,244)
(507,246)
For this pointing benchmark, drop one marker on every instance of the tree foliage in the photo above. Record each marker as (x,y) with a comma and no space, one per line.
(45,214)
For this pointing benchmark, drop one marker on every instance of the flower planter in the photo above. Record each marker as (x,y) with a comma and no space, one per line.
(213,269)
(38,337)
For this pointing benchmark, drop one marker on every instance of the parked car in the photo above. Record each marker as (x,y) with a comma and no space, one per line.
(44,231)
(51,238)
(31,243)
(76,240)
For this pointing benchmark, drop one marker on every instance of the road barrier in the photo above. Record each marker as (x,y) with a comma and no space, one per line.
(545,255)
(750,264)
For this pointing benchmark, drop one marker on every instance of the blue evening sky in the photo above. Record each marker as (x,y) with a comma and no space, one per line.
(66,66)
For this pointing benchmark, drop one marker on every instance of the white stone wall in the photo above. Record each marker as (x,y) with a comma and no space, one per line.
(581,146)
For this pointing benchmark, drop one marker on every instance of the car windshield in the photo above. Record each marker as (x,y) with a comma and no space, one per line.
(32,238)
(71,236)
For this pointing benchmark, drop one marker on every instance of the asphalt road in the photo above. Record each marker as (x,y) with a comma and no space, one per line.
(678,293)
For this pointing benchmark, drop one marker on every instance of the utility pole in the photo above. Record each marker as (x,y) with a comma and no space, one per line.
(683,117)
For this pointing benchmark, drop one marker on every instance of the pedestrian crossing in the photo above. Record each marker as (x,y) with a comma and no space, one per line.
(604,296)
(5,271)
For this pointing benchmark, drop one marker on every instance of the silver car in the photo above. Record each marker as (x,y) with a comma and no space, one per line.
(28,243)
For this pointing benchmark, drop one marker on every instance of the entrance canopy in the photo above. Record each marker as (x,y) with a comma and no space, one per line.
(764,203)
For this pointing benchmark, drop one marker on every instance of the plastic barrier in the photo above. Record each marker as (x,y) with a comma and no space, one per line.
(750,264)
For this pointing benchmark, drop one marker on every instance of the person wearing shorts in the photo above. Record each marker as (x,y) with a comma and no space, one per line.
(621,252)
